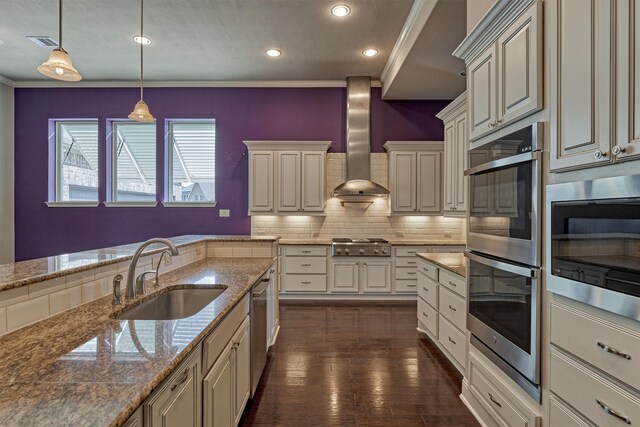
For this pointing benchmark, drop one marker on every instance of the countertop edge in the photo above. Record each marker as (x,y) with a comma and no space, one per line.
(433,258)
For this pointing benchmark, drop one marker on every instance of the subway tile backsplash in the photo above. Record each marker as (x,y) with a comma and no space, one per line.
(358,220)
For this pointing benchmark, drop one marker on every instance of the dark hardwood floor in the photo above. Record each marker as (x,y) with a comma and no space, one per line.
(355,365)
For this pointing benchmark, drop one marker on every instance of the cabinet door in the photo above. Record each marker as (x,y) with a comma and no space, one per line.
(260,181)
(449,165)
(460,165)
(344,277)
(218,392)
(580,44)
(178,403)
(482,92)
(628,79)
(242,369)
(376,276)
(289,181)
(429,182)
(403,177)
(313,177)
(520,67)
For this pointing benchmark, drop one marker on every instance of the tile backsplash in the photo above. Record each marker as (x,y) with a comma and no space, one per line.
(358,220)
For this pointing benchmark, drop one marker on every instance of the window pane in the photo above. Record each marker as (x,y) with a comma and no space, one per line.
(135,161)
(77,154)
(193,165)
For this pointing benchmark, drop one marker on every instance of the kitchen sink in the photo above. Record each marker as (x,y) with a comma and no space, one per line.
(173,304)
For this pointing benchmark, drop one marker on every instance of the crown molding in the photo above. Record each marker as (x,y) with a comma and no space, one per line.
(494,22)
(288,145)
(178,83)
(454,108)
(7,81)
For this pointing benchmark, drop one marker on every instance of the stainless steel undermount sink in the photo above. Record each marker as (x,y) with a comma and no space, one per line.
(173,304)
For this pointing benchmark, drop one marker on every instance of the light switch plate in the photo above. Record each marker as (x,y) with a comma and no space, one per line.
(225,213)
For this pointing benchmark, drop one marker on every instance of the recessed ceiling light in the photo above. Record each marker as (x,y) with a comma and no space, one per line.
(341,10)
(142,39)
(370,52)
(273,52)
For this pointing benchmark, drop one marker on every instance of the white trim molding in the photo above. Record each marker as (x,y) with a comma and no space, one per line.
(288,145)
(496,20)
(452,110)
(7,81)
(130,204)
(189,204)
(178,83)
(73,204)
(391,146)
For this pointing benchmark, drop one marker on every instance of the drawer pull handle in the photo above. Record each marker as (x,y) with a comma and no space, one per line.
(411,273)
(425,269)
(425,289)
(454,343)
(452,307)
(306,283)
(306,252)
(612,350)
(425,314)
(411,252)
(306,265)
(411,262)
(411,286)
(493,399)
(611,412)
(185,377)
(452,284)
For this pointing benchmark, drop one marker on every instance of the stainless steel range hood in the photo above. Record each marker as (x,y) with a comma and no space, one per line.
(359,142)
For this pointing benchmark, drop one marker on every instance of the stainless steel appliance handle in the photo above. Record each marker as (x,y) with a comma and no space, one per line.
(521,271)
(507,161)
(611,412)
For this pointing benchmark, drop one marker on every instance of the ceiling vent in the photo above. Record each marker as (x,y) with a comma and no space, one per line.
(43,41)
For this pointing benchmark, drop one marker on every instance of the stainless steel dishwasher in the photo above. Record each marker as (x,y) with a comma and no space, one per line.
(259,329)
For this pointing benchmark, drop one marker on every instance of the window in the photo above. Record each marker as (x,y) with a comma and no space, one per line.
(192,161)
(133,162)
(76,161)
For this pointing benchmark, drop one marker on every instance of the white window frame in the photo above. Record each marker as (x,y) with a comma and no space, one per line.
(168,170)
(57,175)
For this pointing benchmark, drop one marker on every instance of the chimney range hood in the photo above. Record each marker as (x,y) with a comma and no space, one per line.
(359,142)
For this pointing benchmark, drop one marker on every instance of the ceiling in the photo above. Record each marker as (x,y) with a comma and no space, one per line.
(204,40)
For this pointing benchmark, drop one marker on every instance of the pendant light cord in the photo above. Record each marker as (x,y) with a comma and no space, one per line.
(60,26)
(141,49)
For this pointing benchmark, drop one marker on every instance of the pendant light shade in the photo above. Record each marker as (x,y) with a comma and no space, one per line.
(59,65)
(141,111)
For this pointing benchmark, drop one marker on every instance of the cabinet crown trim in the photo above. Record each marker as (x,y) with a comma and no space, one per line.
(391,146)
(299,145)
(456,107)
(495,21)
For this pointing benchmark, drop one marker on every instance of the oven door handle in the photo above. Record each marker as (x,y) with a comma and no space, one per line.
(501,163)
(515,269)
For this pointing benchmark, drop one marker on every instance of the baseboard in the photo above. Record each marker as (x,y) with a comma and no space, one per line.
(339,297)
(346,302)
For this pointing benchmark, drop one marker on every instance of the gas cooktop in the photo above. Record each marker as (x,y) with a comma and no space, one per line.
(372,246)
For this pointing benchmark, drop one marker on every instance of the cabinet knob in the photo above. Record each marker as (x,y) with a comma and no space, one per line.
(599,154)
(617,150)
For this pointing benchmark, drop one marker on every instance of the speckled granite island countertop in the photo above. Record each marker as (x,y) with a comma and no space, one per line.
(82,367)
(454,262)
(16,274)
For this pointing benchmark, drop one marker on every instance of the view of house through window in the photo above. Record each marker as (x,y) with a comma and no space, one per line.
(134,162)
(76,161)
(192,161)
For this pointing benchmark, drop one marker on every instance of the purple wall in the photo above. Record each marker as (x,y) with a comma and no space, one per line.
(240,113)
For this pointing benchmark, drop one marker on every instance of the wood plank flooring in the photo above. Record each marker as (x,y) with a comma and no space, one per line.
(356,365)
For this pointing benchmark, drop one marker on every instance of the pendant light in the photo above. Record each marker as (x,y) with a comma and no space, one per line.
(141,111)
(59,65)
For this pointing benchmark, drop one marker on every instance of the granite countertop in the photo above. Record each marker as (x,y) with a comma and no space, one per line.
(394,242)
(311,241)
(454,262)
(82,367)
(17,274)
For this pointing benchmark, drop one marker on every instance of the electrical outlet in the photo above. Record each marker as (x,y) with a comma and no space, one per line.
(315,234)
(447,235)
(225,213)
(168,260)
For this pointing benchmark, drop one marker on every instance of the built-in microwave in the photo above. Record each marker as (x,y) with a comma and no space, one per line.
(505,194)
(593,243)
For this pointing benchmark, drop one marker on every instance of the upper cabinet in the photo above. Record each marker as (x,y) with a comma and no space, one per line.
(504,67)
(456,141)
(415,177)
(285,180)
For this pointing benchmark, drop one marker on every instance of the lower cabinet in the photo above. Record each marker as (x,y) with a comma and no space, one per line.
(376,276)
(371,276)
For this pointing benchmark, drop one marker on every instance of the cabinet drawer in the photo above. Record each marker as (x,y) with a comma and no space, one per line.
(453,308)
(407,286)
(409,251)
(454,282)
(452,339)
(407,262)
(305,283)
(590,393)
(428,316)
(561,416)
(306,265)
(406,273)
(428,269)
(428,290)
(596,341)
(217,340)
(493,397)
(306,250)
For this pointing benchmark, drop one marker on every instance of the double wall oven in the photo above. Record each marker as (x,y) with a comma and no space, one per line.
(503,241)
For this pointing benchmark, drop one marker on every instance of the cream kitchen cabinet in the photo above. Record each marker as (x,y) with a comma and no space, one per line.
(504,80)
(415,169)
(376,276)
(345,276)
(456,141)
(285,180)
(371,276)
